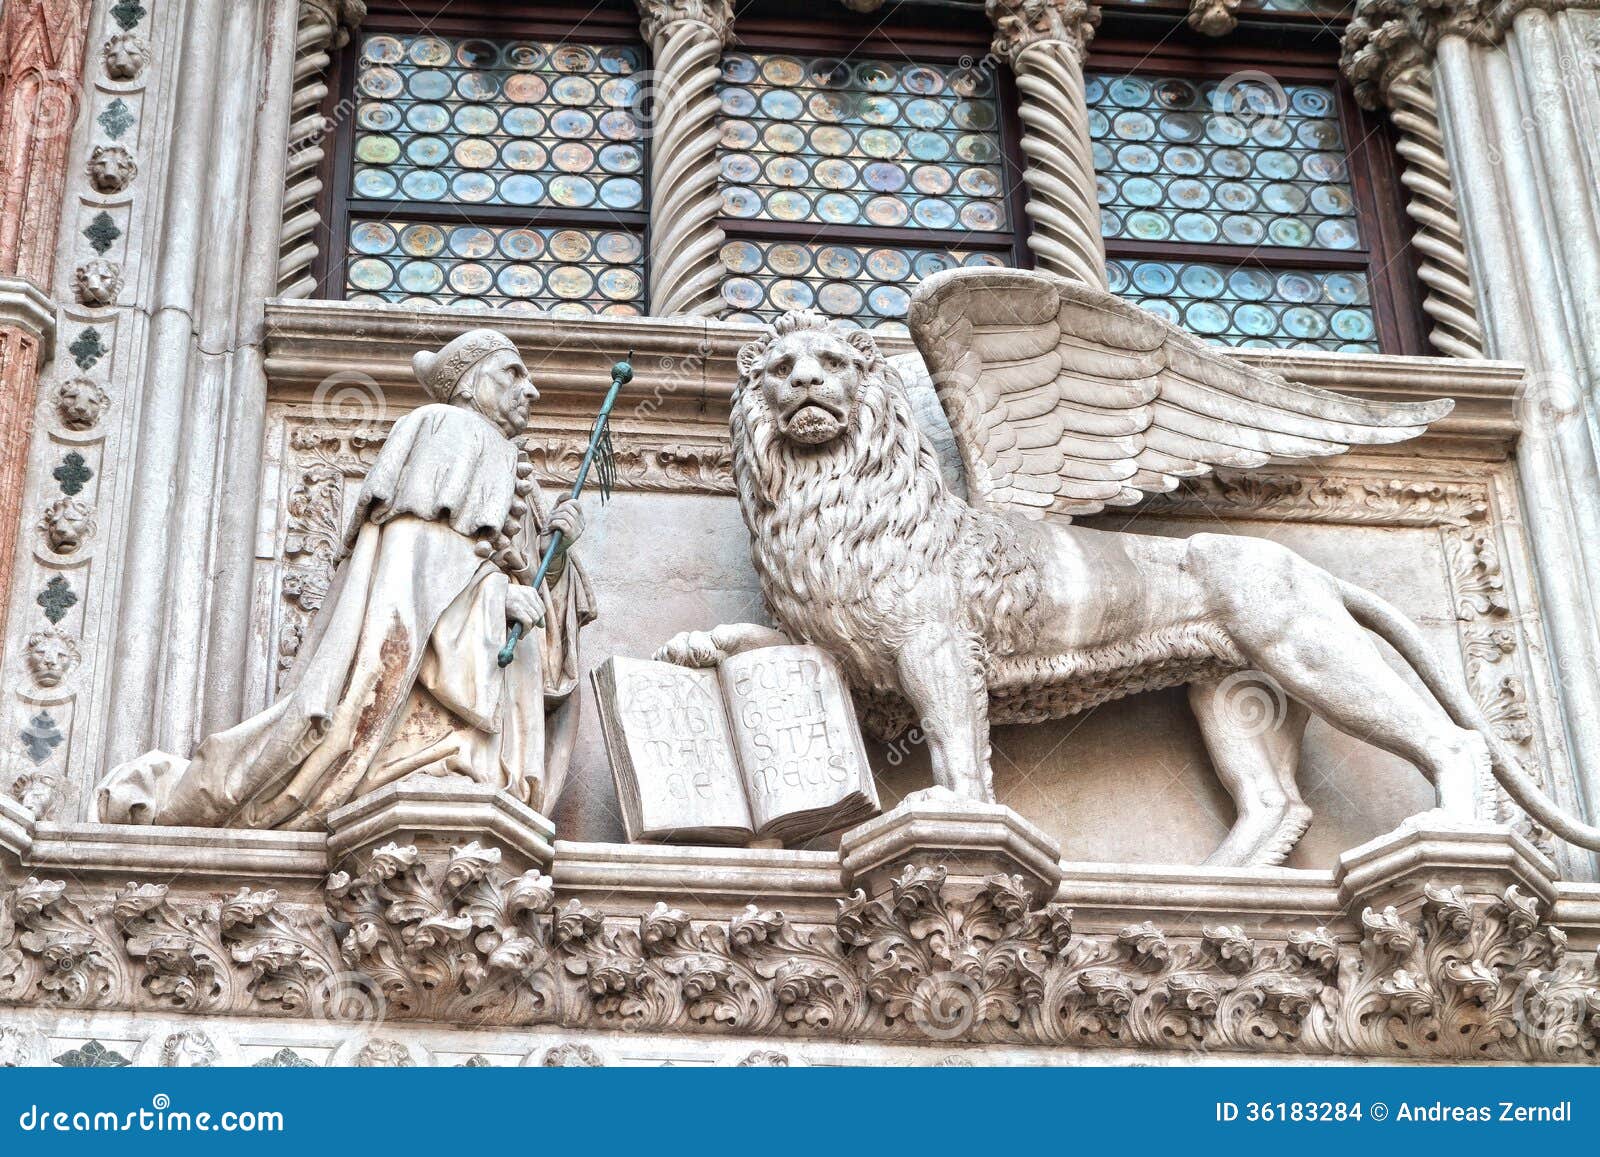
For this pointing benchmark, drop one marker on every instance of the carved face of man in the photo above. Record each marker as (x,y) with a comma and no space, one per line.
(501,390)
(811,380)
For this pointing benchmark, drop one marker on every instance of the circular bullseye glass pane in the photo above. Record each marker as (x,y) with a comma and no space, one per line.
(370,274)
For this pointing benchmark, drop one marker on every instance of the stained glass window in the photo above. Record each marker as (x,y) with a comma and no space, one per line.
(1249,305)
(496,173)
(846,178)
(1229,204)
(1177,161)
(565,271)
(860,142)
(869,285)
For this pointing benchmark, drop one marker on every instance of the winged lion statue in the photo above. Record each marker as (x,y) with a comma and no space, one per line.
(962,612)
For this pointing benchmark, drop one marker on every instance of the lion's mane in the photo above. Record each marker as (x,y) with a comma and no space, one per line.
(840,533)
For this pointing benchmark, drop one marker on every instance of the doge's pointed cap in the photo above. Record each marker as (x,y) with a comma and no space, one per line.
(441,373)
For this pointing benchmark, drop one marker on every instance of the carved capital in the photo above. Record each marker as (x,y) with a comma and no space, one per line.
(1388,38)
(1384,42)
(342,17)
(656,17)
(1021,24)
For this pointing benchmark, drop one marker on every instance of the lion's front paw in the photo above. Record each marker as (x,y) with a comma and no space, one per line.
(691,649)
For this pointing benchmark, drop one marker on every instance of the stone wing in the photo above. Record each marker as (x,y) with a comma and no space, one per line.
(1065,399)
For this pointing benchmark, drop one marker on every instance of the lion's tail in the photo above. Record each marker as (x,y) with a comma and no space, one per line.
(1398,631)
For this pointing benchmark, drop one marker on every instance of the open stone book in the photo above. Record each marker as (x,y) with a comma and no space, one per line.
(764,746)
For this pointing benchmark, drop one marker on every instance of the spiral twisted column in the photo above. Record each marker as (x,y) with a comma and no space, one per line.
(1386,61)
(686,39)
(323,25)
(1044,42)
(1431,204)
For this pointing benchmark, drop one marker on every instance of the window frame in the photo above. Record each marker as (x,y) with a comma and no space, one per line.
(464,18)
(959,44)
(1386,257)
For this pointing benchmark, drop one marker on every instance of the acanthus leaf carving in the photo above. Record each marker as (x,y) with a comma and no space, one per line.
(456,938)
(448,941)
(179,946)
(59,950)
(288,952)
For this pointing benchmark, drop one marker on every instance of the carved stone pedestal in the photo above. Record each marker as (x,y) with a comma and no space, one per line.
(971,841)
(1480,860)
(436,814)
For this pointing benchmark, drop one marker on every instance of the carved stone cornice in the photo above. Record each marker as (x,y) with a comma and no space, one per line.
(1023,24)
(656,17)
(25,306)
(1447,971)
(685,367)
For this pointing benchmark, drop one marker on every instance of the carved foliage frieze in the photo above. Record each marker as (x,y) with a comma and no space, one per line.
(460,939)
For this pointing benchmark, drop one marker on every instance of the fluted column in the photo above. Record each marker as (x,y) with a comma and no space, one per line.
(686,39)
(1526,217)
(1044,42)
(1385,61)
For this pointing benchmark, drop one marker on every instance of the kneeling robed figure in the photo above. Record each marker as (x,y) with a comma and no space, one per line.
(399,672)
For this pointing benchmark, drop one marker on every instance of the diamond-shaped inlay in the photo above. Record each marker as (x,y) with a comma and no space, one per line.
(40,737)
(117,118)
(86,348)
(102,232)
(57,599)
(128,13)
(93,1055)
(72,473)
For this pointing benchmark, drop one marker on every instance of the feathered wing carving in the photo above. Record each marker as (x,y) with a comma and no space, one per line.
(1065,399)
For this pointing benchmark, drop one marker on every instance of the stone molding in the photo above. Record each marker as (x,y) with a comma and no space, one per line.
(78,70)
(24,306)
(1428,943)
(1412,30)
(656,17)
(685,368)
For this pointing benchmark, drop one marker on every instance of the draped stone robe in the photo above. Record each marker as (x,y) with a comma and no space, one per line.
(398,672)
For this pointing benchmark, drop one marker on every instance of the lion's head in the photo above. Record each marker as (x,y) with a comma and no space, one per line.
(847,507)
(810,372)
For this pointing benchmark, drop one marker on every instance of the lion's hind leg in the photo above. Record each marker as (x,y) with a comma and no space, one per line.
(1252,732)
